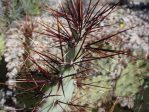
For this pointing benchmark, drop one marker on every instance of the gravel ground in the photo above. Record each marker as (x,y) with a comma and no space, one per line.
(136,39)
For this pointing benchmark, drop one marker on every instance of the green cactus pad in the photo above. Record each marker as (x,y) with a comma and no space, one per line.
(99,91)
(132,78)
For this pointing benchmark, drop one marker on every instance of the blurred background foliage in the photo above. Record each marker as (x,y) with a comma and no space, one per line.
(17,9)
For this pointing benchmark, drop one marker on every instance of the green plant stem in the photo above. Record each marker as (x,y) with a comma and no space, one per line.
(68,86)
(65,94)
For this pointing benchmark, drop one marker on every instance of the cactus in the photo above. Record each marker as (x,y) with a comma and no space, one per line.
(49,81)
(94,91)
(130,81)
(134,75)
(74,50)
(73,33)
